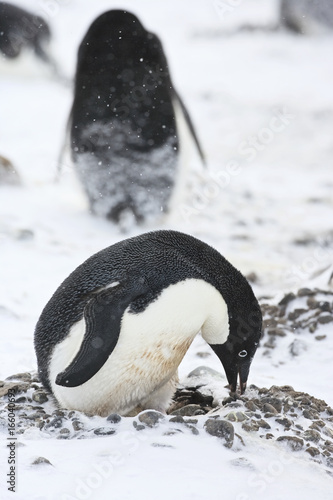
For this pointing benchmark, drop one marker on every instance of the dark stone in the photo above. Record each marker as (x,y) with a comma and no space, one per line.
(323,320)
(189,411)
(104,431)
(114,418)
(312,435)
(55,423)
(287,298)
(138,427)
(267,407)
(40,397)
(262,423)
(304,292)
(320,337)
(150,417)
(221,429)
(313,451)
(277,332)
(251,426)
(310,414)
(294,443)
(194,430)
(273,401)
(178,419)
(284,421)
(77,425)
(251,406)
(41,461)
(25,377)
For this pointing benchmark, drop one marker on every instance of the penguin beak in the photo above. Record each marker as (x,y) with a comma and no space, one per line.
(241,373)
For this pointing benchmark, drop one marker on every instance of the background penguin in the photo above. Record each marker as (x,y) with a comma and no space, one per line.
(307,16)
(114,333)
(22,31)
(123,130)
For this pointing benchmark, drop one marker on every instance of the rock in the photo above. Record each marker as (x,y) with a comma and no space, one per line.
(294,443)
(310,414)
(285,422)
(263,424)
(178,419)
(40,396)
(296,313)
(203,371)
(251,426)
(150,417)
(251,406)
(312,451)
(77,425)
(324,319)
(189,411)
(304,292)
(287,298)
(17,387)
(320,337)
(221,429)
(237,416)
(312,435)
(55,423)
(114,418)
(41,461)
(297,347)
(138,427)
(269,408)
(278,332)
(104,431)
(25,377)
(273,401)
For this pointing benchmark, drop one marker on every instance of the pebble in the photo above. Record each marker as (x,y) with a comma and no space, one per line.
(221,429)
(40,396)
(151,418)
(114,418)
(104,431)
(189,411)
(294,443)
(41,461)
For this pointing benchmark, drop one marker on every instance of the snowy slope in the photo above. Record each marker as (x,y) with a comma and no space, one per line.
(263,106)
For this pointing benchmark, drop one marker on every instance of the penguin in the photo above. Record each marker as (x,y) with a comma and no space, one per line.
(112,336)
(307,16)
(21,32)
(124,140)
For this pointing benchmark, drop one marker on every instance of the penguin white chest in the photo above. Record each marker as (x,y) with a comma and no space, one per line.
(149,350)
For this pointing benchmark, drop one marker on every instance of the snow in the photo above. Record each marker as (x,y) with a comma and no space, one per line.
(237,87)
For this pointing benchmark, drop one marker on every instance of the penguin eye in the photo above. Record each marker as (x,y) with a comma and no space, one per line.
(242,354)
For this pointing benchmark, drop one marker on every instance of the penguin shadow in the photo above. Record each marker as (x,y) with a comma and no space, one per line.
(124,131)
(26,35)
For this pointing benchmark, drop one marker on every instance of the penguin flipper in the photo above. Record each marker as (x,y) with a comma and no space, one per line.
(102,316)
(191,127)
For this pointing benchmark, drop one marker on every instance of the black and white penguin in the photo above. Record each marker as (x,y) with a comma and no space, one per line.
(307,16)
(114,333)
(21,30)
(123,125)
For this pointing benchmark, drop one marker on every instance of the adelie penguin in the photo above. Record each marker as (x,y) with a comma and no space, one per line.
(22,31)
(123,125)
(114,333)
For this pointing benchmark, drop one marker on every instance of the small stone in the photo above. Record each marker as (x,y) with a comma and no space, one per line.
(56,423)
(312,435)
(190,421)
(114,418)
(275,402)
(250,426)
(323,320)
(310,414)
(251,406)
(269,435)
(222,429)
(313,327)
(304,292)
(40,396)
(320,337)
(178,419)
(161,445)
(104,431)
(189,411)
(41,461)
(269,408)
(294,443)
(194,430)
(287,298)
(172,432)
(313,451)
(150,417)
(77,425)
(284,421)
(262,423)
(138,427)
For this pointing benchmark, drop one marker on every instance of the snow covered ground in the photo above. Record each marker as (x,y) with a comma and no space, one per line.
(262,103)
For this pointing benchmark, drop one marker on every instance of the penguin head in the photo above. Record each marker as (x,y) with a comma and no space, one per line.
(237,353)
